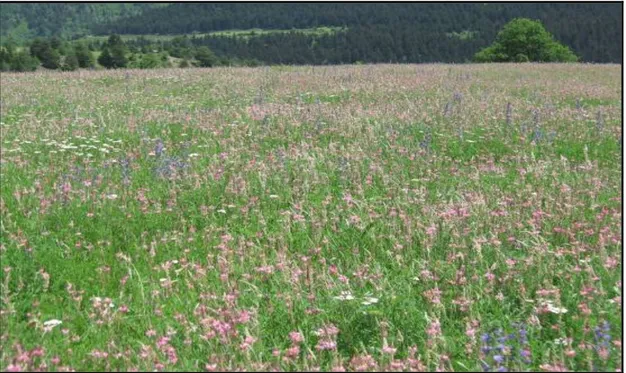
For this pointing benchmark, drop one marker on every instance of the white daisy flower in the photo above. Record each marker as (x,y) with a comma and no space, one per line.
(345,295)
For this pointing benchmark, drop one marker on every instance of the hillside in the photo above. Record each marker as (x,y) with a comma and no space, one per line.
(23,21)
(375,32)
(593,31)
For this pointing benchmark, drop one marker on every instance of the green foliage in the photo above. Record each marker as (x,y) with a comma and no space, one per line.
(23,61)
(50,58)
(525,40)
(105,59)
(6,57)
(38,47)
(114,53)
(325,33)
(205,57)
(13,60)
(70,62)
(84,56)
(26,20)
(376,32)
(135,217)
(150,61)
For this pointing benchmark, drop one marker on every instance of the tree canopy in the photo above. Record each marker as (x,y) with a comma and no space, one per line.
(525,40)
(372,32)
(113,53)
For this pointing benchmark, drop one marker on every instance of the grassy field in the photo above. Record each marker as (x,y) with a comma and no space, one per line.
(389,217)
(246,34)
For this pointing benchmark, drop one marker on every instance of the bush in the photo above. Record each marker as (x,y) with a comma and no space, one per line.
(525,40)
(84,56)
(150,61)
(205,57)
(114,53)
(23,61)
(70,63)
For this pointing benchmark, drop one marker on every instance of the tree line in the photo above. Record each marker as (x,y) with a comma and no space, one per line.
(521,40)
(418,31)
(375,32)
(56,54)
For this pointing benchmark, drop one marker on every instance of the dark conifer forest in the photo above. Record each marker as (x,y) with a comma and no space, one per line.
(359,32)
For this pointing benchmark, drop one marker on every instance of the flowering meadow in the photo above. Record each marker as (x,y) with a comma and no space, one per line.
(346,218)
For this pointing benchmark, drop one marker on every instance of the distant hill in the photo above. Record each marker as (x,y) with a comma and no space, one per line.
(384,32)
(23,21)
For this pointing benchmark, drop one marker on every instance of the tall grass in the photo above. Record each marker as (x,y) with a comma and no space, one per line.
(413,217)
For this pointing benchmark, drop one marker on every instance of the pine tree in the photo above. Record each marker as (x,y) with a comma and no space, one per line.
(114,53)
(205,57)
(50,59)
(70,63)
(83,56)
(105,58)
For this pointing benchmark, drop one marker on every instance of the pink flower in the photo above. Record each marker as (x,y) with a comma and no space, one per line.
(293,351)
(257,112)
(434,329)
(244,317)
(296,337)
(347,197)
(389,350)
(162,341)
(433,295)
(326,345)
(171,355)
(37,351)
(247,343)
(328,331)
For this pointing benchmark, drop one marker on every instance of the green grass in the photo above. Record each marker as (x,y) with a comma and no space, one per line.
(250,33)
(151,210)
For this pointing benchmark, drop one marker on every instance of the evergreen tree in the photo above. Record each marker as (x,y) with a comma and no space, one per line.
(50,59)
(5,59)
(37,48)
(44,50)
(113,53)
(149,61)
(118,55)
(84,56)
(205,57)
(23,61)
(70,63)
(105,58)
(55,43)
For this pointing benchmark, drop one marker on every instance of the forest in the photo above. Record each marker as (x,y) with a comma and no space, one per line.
(365,33)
